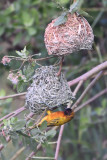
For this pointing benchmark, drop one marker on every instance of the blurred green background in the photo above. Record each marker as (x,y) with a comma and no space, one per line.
(22,23)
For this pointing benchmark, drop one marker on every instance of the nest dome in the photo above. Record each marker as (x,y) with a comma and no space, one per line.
(47,90)
(74,35)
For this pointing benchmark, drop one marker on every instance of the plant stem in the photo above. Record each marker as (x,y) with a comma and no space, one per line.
(12,96)
(77,88)
(13,114)
(33,153)
(87,89)
(89,74)
(18,153)
(58,142)
(91,99)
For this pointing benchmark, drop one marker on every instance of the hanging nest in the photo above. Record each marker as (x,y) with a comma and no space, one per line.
(74,35)
(47,90)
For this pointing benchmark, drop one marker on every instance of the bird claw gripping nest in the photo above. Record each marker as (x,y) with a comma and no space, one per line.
(47,90)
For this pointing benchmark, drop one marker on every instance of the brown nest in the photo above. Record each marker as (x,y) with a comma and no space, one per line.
(47,90)
(74,35)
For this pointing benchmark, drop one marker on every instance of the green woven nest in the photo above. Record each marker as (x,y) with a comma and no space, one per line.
(47,90)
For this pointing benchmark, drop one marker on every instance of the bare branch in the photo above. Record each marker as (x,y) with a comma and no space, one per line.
(33,153)
(91,100)
(89,74)
(12,96)
(18,153)
(77,88)
(87,89)
(13,114)
(58,142)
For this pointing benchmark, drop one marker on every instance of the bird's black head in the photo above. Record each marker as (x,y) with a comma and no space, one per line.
(68,111)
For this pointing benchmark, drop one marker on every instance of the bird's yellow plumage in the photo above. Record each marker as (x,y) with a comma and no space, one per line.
(57,118)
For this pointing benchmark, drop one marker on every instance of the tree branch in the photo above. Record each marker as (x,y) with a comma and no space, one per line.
(18,153)
(58,142)
(33,153)
(87,89)
(12,96)
(89,74)
(91,99)
(13,114)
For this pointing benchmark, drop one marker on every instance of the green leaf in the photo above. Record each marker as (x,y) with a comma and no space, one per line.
(51,133)
(2,156)
(17,39)
(10,9)
(35,14)
(35,132)
(20,86)
(27,19)
(13,135)
(99,111)
(19,124)
(60,20)
(29,123)
(43,125)
(3,140)
(28,71)
(2,92)
(2,29)
(104,103)
(24,53)
(21,54)
(21,133)
(32,31)
(5,121)
(13,120)
(29,141)
(83,13)
(74,7)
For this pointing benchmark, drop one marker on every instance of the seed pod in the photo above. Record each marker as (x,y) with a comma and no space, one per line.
(47,90)
(74,35)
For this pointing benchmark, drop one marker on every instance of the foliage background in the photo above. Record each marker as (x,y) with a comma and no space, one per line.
(23,22)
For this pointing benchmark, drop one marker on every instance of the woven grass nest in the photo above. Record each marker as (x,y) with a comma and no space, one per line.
(74,35)
(47,90)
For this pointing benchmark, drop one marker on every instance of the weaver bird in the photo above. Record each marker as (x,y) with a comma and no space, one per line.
(56,118)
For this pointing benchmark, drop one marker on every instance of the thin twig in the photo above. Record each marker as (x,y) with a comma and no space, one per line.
(33,153)
(61,63)
(91,99)
(41,59)
(12,96)
(13,114)
(18,153)
(87,89)
(77,88)
(95,9)
(44,158)
(58,142)
(89,73)
(29,116)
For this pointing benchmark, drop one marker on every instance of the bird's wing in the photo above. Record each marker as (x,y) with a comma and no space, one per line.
(54,122)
